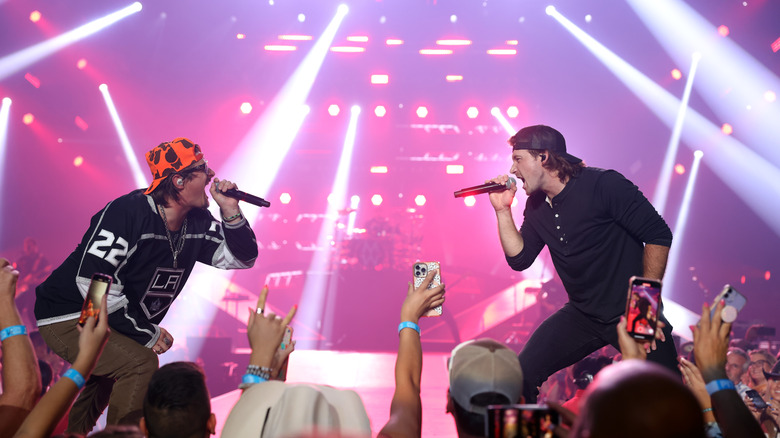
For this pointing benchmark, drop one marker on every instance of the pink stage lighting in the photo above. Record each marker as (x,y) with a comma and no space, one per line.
(334,110)
(376,199)
(393,42)
(512,112)
(469,201)
(380,79)
(453,42)
(81,64)
(347,49)
(435,52)
(422,112)
(679,169)
(357,39)
(454,169)
(35,16)
(35,82)
(419,200)
(28,118)
(727,129)
(279,48)
(285,198)
(378,169)
(246,108)
(453,78)
(295,37)
(512,42)
(767,275)
(240,36)
(723,30)
(380,111)
(502,52)
(81,123)
(676,74)
(472,112)
(78,161)
(776,45)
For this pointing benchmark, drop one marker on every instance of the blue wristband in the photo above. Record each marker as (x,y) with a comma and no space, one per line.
(408,324)
(76,376)
(252,378)
(719,385)
(12,331)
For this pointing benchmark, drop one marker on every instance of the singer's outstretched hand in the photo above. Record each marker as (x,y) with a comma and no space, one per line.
(228,206)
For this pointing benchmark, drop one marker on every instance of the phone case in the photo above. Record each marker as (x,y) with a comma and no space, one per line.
(98,287)
(732,298)
(421,270)
(643,307)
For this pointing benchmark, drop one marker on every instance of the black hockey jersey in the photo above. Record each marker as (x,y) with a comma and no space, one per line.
(127,240)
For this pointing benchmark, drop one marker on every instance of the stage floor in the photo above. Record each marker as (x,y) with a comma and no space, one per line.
(372,376)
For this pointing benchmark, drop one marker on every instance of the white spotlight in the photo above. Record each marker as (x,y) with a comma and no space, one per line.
(495,112)
(301,18)
(343,9)
(550,10)
(355,110)
(453,18)
(698,154)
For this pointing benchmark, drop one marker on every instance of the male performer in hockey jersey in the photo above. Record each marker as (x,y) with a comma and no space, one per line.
(148,241)
(600,230)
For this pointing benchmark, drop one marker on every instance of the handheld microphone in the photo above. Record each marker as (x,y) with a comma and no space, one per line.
(484,188)
(246,197)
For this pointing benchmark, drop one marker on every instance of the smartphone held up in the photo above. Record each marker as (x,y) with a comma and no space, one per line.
(98,287)
(421,270)
(642,307)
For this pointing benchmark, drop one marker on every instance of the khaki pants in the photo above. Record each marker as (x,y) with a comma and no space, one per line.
(118,381)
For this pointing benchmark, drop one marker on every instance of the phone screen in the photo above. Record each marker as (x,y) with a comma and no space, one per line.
(522,421)
(97,289)
(421,270)
(644,297)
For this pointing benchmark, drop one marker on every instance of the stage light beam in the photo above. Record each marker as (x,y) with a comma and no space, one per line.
(139,176)
(25,57)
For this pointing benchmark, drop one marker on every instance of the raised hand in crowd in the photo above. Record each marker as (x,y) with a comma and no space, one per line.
(21,375)
(53,406)
(693,378)
(406,407)
(266,331)
(710,346)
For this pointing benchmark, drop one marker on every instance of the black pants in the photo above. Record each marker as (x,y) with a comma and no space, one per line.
(569,335)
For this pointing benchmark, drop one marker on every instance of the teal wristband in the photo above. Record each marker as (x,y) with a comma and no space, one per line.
(408,324)
(12,331)
(719,385)
(74,375)
(251,378)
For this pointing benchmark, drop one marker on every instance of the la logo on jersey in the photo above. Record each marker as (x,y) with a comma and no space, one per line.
(161,291)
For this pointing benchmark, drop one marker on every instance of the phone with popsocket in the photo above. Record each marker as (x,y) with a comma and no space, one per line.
(734,302)
(642,307)
(98,287)
(421,270)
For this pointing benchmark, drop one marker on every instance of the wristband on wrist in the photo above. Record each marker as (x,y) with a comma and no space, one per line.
(230,218)
(256,370)
(719,385)
(704,411)
(12,331)
(408,324)
(75,376)
(252,378)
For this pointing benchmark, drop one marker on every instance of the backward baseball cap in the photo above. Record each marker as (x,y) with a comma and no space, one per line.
(168,158)
(541,137)
(484,366)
